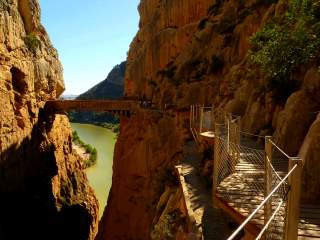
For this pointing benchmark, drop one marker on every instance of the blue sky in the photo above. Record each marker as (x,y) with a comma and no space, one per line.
(90,36)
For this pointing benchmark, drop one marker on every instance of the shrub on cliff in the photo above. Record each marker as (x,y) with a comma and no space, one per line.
(283,45)
(32,42)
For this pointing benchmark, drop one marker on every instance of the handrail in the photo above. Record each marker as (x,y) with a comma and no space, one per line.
(275,145)
(251,134)
(236,232)
(270,220)
(277,175)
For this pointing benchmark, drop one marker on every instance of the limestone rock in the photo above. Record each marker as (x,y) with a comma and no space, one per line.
(309,152)
(195,52)
(40,179)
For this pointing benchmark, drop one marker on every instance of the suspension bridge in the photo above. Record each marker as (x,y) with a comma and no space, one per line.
(254,181)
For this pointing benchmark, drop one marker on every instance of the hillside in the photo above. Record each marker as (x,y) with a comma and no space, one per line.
(110,88)
(44,191)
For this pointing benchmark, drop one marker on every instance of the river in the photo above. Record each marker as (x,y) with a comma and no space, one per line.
(100,175)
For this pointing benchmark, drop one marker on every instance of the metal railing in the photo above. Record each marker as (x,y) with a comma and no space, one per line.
(271,177)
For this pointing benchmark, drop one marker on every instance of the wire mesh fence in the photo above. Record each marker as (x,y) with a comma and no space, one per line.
(245,176)
(251,173)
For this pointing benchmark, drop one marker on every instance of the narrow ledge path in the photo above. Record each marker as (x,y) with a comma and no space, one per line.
(211,221)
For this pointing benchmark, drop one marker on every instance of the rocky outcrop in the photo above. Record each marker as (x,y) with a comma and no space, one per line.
(190,52)
(310,154)
(44,193)
(140,173)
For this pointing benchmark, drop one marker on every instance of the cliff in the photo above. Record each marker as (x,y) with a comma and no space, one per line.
(110,88)
(44,193)
(212,52)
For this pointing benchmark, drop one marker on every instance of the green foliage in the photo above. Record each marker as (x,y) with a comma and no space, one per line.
(89,149)
(282,46)
(32,42)
(4,5)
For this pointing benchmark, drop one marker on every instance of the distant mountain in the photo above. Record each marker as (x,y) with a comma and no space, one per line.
(69,96)
(111,88)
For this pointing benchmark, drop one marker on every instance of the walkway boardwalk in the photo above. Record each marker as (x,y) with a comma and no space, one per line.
(211,221)
(255,182)
(241,192)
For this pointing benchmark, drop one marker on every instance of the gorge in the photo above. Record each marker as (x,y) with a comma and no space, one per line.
(255,59)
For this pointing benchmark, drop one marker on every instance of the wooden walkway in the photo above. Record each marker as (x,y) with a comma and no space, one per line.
(246,173)
(237,195)
(120,107)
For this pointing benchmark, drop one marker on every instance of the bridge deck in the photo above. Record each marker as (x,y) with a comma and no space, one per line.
(238,196)
(93,105)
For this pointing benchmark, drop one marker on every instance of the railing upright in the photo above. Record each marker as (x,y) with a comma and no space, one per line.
(227,121)
(216,159)
(201,119)
(191,117)
(292,210)
(268,178)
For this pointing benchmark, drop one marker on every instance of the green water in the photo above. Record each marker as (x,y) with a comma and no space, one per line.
(100,175)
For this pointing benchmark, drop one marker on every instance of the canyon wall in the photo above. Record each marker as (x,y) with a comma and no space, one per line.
(197,52)
(44,193)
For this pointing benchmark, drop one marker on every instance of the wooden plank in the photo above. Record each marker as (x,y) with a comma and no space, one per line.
(250,227)
(307,238)
(309,233)
(310,206)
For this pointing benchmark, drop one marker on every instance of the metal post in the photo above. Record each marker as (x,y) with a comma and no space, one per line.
(190,116)
(267,178)
(238,136)
(293,205)
(212,118)
(227,117)
(201,119)
(216,159)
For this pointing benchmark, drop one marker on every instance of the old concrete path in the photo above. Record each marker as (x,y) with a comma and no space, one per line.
(211,221)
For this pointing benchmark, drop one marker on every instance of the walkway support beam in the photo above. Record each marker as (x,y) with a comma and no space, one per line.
(292,210)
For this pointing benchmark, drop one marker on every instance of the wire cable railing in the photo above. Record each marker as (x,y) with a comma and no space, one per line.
(250,217)
(260,173)
(257,180)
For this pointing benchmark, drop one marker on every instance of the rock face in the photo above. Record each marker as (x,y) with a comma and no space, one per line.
(140,173)
(196,52)
(44,193)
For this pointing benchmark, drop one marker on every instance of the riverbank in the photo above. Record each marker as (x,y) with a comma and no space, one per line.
(85,151)
(114,127)
(99,175)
